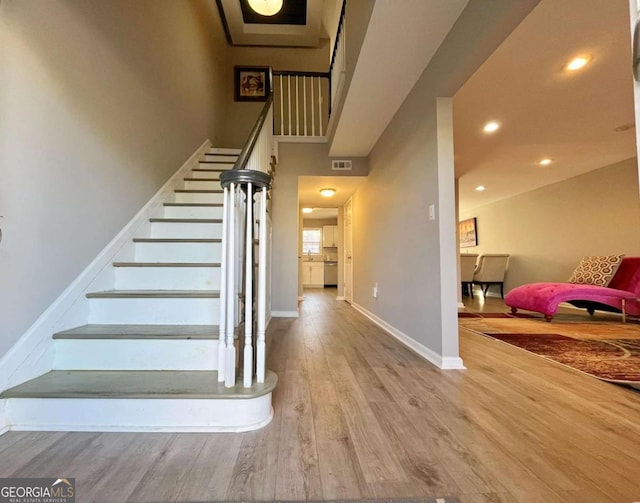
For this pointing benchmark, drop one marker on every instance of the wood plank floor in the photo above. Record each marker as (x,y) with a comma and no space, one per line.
(357,415)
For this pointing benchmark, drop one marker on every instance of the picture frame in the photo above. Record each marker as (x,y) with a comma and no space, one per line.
(252,83)
(468,232)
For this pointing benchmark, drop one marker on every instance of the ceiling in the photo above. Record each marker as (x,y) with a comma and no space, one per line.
(244,30)
(545,111)
(321,213)
(309,186)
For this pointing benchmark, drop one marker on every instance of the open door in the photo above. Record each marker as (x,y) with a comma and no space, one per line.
(348,252)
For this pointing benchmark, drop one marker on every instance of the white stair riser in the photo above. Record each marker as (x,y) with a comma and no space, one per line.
(193,212)
(223,158)
(167,278)
(215,165)
(198,197)
(205,174)
(185,230)
(202,185)
(154,311)
(225,151)
(118,414)
(137,354)
(178,252)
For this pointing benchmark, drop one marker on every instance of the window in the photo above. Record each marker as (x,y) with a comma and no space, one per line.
(312,241)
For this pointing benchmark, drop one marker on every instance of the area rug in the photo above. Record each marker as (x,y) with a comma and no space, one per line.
(607,350)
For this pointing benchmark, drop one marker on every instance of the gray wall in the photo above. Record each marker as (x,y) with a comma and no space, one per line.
(547,231)
(295,159)
(101,101)
(413,260)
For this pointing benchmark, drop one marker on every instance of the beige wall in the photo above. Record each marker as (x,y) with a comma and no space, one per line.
(549,229)
(295,159)
(242,115)
(412,259)
(100,102)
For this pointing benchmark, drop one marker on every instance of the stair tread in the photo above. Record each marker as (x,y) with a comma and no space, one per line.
(188,220)
(158,384)
(189,179)
(218,162)
(176,240)
(163,332)
(166,264)
(195,205)
(210,170)
(198,191)
(167,294)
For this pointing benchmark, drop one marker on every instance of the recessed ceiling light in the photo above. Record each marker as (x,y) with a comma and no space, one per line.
(491,127)
(480,188)
(327,192)
(307,210)
(544,162)
(577,63)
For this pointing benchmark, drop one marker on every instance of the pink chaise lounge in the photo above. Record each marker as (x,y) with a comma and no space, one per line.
(545,297)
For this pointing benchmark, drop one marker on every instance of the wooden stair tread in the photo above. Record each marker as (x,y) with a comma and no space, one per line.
(201,179)
(176,240)
(187,220)
(217,162)
(152,384)
(161,294)
(162,332)
(196,205)
(166,264)
(210,170)
(198,191)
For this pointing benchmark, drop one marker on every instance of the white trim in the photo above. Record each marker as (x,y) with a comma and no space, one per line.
(32,354)
(300,139)
(443,362)
(339,297)
(284,314)
(4,424)
(461,305)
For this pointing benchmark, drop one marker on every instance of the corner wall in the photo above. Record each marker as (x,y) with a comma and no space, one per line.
(548,230)
(101,103)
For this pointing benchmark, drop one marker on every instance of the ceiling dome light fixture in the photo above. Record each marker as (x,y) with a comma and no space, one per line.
(545,162)
(577,63)
(480,188)
(266,7)
(327,192)
(307,210)
(491,127)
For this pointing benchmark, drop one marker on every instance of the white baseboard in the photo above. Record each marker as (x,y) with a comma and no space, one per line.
(461,305)
(284,314)
(339,297)
(443,362)
(32,354)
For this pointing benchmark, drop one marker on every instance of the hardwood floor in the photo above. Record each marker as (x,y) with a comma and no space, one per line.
(357,415)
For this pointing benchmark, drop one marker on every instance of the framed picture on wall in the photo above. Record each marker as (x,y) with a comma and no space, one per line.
(252,83)
(468,233)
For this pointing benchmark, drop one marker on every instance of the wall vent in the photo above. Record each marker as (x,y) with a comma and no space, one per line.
(341,165)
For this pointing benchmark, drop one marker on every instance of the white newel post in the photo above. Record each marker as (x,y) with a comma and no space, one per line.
(230,361)
(248,292)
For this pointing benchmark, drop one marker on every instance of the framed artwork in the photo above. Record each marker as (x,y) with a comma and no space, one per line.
(252,83)
(468,233)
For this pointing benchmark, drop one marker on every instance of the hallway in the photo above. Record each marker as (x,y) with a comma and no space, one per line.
(357,415)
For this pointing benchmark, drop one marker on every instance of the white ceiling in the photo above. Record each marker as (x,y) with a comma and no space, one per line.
(545,111)
(405,39)
(309,187)
(321,213)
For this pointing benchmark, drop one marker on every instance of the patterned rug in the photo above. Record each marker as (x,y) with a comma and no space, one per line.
(606,350)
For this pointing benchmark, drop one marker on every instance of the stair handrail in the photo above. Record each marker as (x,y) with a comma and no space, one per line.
(249,177)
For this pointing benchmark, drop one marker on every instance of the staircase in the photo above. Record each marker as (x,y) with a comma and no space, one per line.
(147,359)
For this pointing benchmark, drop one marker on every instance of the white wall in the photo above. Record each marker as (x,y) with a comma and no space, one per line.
(547,231)
(101,101)
(412,259)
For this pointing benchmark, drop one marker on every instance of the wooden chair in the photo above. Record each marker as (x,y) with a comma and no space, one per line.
(490,271)
(467,268)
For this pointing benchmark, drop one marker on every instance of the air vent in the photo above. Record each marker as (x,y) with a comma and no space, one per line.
(341,165)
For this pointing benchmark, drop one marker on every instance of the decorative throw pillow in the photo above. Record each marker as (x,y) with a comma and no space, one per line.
(596,270)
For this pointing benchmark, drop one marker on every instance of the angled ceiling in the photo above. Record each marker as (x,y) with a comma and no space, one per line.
(247,30)
(545,111)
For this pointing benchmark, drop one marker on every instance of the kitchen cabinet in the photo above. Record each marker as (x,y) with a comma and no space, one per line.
(313,274)
(329,236)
